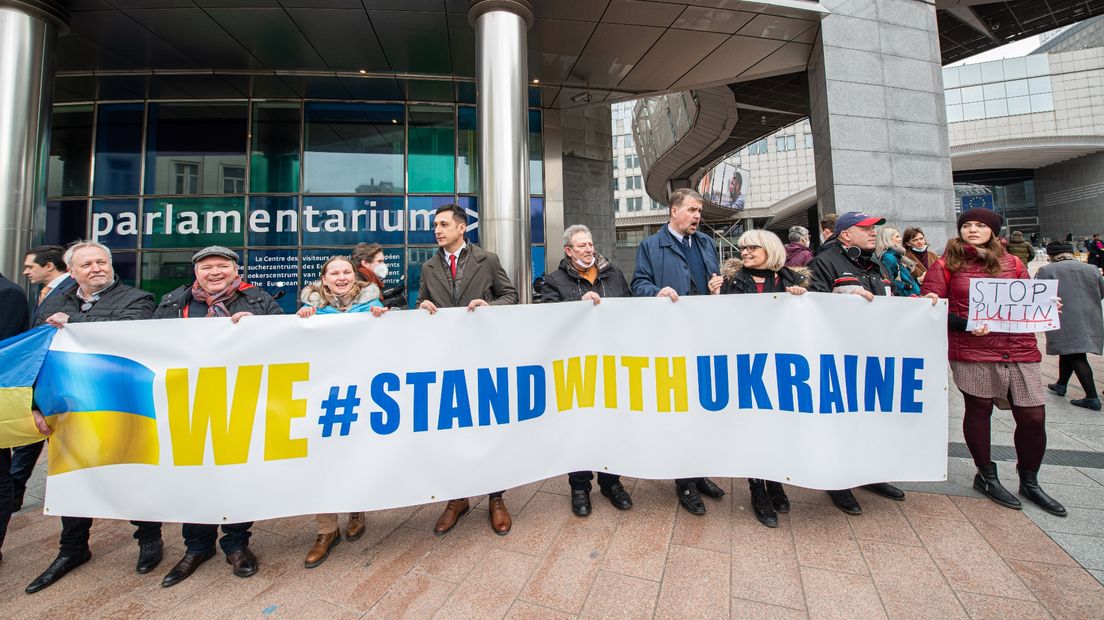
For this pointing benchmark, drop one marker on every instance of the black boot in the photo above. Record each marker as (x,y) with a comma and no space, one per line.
(778,497)
(987,483)
(761,504)
(1029,488)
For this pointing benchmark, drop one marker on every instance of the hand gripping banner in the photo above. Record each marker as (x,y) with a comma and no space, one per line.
(205,421)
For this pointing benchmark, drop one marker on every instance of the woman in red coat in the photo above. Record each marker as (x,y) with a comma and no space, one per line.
(990,367)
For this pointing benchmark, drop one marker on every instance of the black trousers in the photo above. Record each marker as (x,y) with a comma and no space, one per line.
(580,480)
(23,460)
(75,532)
(200,538)
(5,493)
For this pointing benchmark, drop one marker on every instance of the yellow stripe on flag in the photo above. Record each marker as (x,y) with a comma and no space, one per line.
(95,438)
(17,427)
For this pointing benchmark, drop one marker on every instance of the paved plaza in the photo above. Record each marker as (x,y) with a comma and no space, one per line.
(945,552)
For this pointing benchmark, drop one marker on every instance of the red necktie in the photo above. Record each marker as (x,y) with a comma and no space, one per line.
(452,265)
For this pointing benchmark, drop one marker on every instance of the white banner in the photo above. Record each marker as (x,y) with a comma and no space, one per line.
(350,412)
(1013,306)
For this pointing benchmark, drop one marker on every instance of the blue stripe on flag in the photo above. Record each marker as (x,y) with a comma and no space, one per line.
(93,382)
(21,356)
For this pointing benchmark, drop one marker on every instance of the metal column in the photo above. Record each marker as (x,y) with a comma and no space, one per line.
(501,30)
(28,34)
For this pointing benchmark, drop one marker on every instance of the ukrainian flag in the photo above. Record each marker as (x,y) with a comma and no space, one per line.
(100,408)
(20,359)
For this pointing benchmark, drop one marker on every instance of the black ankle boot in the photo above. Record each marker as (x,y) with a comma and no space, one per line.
(761,504)
(1029,488)
(987,483)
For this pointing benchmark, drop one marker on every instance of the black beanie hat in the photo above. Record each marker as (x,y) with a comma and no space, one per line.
(1056,247)
(989,217)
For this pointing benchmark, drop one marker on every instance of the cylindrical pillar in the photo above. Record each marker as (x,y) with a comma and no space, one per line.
(28,35)
(501,30)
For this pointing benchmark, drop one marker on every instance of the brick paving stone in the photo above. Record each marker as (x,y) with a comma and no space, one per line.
(695,584)
(840,595)
(620,597)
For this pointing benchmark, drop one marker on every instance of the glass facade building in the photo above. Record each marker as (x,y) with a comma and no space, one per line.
(286,183)
(998,88)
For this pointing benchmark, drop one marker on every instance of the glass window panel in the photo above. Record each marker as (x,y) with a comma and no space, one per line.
(467,161)
(348,220)
(193,222)
(1042,103)
(791,143)
(996,108)
(534,96)
(118,149)
(275,158)
(969,75)
(465,92)
(950,77)
(471,207)
(1015,68)
(993,91)
(808,140)
(973,111)
(66,221)
(1019,105)
(115,223)
(70,151)
(354,148)
(954,113)
(536,161)
(1037,64)
(536,220)
(420,213)
(200,138)
(125,265)
(164,271)
(780,143)
(1039,85)
(536,258)
(992,71)
(274,220)
(432,144)
(277,272)
(1016,88)
(971,94)
(952,95)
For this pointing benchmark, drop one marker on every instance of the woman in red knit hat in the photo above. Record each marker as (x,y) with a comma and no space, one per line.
(989,367)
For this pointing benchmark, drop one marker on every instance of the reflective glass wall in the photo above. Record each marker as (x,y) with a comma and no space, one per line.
(286,183)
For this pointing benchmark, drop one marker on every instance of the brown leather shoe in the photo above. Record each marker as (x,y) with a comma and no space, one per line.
(455,509)
(500,517)
(243,561)
(321,549)
(356,526)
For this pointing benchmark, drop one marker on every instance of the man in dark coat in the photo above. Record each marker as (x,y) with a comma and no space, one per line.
(460,276)
(218,291)
(681,260)
(97,297)
(848,265)
(586,275)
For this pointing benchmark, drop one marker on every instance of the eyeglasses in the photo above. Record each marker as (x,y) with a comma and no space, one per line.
(748,248)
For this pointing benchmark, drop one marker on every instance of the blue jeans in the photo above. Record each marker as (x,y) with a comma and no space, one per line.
(200,538)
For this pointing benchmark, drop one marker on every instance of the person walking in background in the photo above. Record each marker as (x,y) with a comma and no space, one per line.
(988,367)
(338,291)
(1020,248)
(1096,251)
(763,270)
(798,253)
(1082,288)
(888,250)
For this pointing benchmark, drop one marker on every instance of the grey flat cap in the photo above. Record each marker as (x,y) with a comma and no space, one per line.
(215,250)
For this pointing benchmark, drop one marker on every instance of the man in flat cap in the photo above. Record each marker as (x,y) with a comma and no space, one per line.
(218,291)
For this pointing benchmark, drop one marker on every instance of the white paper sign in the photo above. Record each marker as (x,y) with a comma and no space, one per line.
(1013,306)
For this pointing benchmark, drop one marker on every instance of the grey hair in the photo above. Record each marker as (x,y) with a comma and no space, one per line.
(573,230)
(80,245)
(797,233)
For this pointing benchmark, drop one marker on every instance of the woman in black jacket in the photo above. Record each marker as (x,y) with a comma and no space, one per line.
(763,270)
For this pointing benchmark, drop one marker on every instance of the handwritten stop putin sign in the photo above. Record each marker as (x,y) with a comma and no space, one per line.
(1013,306)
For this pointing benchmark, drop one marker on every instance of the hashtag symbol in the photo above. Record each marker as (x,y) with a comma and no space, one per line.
(335,403)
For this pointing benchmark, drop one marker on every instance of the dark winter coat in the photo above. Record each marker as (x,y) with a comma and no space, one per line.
(740,281)
(481,276)
(117,302)
(566,284)
(1021,249)
(249,299)
(660,262)
(836,266)
(955,287)
(1081,289)
(798,254)
(15,314)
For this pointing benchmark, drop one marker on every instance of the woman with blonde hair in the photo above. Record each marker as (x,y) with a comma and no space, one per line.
(764,270)
(888,250)
(338,291)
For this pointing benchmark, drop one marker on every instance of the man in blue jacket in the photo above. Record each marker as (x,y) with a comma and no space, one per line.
(680,260)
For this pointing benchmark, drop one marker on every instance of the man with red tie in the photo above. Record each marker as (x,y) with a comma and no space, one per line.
(463,275)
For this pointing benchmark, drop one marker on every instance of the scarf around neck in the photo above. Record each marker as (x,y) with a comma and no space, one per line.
(216,303)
